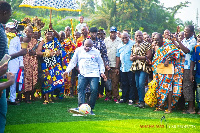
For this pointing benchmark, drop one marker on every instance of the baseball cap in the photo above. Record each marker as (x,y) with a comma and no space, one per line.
(113,28)
(10,25)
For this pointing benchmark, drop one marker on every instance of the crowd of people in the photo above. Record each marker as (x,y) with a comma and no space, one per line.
(55,60)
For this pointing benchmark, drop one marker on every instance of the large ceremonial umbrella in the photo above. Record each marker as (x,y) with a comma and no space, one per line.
(58,5)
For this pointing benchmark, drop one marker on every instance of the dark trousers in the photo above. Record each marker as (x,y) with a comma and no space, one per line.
(7,92)
(101,86)
(128,86)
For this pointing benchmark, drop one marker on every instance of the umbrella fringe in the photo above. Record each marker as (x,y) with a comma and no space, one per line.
(53,8)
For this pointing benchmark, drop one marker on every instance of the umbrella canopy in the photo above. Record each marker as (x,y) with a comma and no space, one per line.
(58,5)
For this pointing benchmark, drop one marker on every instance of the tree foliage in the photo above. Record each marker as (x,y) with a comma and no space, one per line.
(133,14)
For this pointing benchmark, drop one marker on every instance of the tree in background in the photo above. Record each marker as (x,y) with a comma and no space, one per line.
(105,15)
(133,14)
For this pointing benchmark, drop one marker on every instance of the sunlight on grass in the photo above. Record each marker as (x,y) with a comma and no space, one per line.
(116,126)
(110,118)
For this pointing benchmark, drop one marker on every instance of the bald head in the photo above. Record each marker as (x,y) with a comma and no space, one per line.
(84,31)
(166,31)
(144,33)
(138,36)
(158,39)
(124,34)
(153,34)
(138,32)
(125,37)
(88,44)
(147,38)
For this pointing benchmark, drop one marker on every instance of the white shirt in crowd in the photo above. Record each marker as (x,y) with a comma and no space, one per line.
(90,63)
(80,26)
(190,44)
(112,49)
(14,47)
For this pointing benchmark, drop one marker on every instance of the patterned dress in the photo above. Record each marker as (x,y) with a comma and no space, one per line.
(30,67)
(165,81)
(52,69)
(178,77)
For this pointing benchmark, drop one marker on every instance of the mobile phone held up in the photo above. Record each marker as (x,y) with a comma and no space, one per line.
(5,59)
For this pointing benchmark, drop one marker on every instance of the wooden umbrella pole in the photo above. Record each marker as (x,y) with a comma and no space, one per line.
(50,15)
(72,28)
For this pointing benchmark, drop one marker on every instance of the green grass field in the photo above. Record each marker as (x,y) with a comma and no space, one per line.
(110,118)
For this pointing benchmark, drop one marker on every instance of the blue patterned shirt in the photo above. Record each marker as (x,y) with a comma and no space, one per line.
(3,42)
(196,58)
(100,45)
(124,52)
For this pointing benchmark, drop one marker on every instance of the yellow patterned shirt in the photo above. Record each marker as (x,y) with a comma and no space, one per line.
(140,50)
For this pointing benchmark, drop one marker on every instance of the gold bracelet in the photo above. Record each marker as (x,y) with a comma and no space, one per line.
(44,54)
(48,53)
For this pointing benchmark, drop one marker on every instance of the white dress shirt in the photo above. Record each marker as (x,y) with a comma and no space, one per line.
(80,26)
(90,63)
(14,47)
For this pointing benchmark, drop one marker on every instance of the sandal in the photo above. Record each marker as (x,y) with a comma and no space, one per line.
(187,112)
(158,109)
(50,100)
(45,102)
(167,111)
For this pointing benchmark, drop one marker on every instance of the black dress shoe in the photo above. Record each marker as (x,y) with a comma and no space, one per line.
(13,103)
(141,105)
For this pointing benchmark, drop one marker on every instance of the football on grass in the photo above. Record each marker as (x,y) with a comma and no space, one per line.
(85,109)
